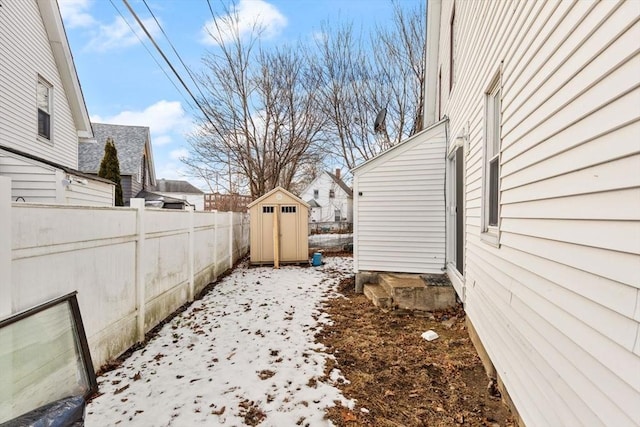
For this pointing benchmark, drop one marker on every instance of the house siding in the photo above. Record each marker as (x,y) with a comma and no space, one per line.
(25,53)
(93,193)
(399,217)
(557,304)
(30,182)
(341,201)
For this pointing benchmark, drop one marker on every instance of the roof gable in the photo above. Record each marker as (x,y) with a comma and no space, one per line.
(417,138)
(275,190)
(132,142)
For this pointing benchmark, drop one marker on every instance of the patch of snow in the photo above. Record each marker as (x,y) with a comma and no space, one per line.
(251,338)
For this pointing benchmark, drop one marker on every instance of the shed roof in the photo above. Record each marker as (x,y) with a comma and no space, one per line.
(275,190)
(130,142)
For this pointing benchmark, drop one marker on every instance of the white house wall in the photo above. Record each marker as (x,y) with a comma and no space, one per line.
(25,53)
(30,182)
(557,304)
(90,193)
(399,218)
(341,201)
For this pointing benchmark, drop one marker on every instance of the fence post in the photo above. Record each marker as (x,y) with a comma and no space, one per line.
(191,255)
(138,204)
(215,246)
(230,239)
(6,284)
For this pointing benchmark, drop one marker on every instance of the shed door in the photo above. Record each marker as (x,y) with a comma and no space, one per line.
(289,233)
(266,229)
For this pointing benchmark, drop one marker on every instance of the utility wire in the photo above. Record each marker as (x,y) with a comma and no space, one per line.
(174,50)
(149,52)
(200,107)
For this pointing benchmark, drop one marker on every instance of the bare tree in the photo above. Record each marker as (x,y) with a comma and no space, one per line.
(360,80)
(261,124)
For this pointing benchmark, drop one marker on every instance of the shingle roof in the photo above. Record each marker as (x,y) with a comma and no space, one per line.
(176,186)
(341,183)
(313,203)
(129,140)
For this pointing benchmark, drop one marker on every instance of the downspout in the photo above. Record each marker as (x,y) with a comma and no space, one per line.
(433,46)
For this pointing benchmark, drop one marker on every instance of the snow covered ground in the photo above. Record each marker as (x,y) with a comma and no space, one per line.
(244,353)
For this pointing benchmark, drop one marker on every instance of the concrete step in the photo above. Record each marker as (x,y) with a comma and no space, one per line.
(411,292)
(377,295)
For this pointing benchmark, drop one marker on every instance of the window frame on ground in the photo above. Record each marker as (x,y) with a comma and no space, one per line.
(44,109)
(491,168)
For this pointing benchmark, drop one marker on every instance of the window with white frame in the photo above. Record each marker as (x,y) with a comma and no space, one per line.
(337,215)
(44,103)
(492,156)
(316,193)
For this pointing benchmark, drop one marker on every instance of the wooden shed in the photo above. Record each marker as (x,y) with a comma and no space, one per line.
(279,230)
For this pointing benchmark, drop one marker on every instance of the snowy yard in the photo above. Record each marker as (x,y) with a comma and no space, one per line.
(244,353)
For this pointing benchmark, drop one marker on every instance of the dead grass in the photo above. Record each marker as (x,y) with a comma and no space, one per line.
(400,379)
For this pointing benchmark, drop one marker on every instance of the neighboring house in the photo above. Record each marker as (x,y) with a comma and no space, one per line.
(182,190)
(233,202)
(134,154)
(42,111)
(533,125)
(330,200)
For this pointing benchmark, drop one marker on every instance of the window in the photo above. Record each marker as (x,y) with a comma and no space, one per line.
(338,215)
(267,209)
(332,194)
(316,194)
(451,47)
(288,209)
(492,156)
(44,108)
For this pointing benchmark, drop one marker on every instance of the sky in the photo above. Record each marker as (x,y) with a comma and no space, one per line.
(123,84)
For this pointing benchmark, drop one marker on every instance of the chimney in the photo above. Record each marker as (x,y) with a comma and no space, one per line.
(338,173)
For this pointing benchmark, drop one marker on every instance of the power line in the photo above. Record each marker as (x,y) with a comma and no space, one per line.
(144,28)
(174,49)
(150,54)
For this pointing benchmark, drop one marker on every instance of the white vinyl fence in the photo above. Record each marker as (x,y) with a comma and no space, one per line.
(131,267)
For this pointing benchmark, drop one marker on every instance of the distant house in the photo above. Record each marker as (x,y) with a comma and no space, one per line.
(43,115)
(134,154)
(330,201)
(180,189)
(226,202)
(524,189)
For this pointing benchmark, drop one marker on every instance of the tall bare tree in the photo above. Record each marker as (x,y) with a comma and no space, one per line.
(261,123)
(359,80)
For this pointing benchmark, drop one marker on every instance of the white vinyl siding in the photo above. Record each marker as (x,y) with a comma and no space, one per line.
(30,182)
(25,54)
(399,217)
(331,197)
(93,193)
(557,306)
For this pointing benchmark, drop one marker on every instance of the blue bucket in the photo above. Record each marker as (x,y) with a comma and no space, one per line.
(316,261)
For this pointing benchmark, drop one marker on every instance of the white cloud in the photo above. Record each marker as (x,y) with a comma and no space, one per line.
(75,13)
(249,13)
(118,35)
(178,154)
(162,117)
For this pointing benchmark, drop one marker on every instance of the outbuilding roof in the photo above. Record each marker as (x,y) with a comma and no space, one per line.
(176,186)
(275,190)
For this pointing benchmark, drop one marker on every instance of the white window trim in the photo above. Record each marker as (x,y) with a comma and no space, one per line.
(41,138)
(491,234)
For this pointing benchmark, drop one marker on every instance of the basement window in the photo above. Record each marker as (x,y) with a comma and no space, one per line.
(45,364)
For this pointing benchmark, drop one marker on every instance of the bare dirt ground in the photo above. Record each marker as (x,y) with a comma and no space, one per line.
(400,379)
